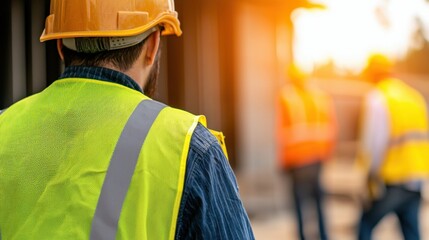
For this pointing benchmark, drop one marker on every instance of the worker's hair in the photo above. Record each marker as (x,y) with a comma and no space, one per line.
(122,59)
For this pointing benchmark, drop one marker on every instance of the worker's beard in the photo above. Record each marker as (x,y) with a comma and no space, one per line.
(152,80)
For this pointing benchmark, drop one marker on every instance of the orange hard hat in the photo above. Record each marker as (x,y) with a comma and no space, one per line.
(378,64)
(109,18)
(294,72)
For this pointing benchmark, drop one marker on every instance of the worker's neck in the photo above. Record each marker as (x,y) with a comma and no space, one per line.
(138,74)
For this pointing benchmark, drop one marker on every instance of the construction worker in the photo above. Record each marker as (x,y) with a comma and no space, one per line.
(93,157)
(395,148)
(305,135)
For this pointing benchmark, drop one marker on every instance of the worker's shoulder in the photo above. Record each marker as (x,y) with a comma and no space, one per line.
(203,140)
(19,105)
(177,112)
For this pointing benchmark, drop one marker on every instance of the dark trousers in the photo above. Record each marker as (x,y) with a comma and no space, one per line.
(397,199)
(306,187)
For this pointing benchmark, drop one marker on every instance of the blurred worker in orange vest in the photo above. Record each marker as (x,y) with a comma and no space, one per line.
(306,131)
(395,149)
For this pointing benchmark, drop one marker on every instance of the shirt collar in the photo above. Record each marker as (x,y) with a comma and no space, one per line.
(102,74)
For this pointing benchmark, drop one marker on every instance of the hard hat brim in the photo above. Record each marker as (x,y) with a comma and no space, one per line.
(170,25)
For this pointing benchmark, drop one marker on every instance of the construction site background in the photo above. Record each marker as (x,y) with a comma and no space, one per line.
(266,191)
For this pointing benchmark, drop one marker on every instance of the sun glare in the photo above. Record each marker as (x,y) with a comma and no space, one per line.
(346,32)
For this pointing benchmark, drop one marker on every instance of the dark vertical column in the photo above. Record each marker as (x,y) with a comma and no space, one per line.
(183,69)
(191,23)
(18,59)
(227,39)
(176,66)
(184,66)
(6,55)
(36,55)
(53,61)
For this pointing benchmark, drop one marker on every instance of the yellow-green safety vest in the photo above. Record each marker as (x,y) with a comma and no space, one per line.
(88,159)
(407,157)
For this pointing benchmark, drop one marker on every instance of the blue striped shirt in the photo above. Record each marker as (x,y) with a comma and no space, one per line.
(211,207)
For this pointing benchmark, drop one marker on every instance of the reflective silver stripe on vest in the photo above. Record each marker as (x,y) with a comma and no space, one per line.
(121,170)
(410,136)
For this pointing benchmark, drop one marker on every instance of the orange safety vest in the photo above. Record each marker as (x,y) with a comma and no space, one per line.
(306,127)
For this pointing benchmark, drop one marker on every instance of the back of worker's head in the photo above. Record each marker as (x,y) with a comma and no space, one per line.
(378,67)
(296,75)
(121,59)
(99,32)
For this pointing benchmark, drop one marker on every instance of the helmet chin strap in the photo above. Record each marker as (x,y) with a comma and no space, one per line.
(100,44)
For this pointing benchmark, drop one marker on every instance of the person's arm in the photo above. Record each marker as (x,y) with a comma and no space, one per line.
(211,207)
(375,130)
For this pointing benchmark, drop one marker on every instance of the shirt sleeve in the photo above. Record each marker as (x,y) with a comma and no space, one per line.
(375,129)
(211,207)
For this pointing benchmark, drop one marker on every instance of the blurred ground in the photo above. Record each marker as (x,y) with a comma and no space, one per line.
(271,211)
(342,217)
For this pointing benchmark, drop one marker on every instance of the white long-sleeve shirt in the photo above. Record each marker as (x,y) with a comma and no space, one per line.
(375,129)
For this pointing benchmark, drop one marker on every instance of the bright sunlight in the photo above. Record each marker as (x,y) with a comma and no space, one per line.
(346,32)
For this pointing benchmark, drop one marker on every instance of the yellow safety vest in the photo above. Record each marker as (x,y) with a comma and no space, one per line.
(88,159)
(306,126)
(407,157)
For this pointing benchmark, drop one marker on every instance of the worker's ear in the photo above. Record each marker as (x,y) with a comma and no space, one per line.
(60,49)
(152,45)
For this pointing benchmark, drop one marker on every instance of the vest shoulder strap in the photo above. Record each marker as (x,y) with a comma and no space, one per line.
(221,139)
